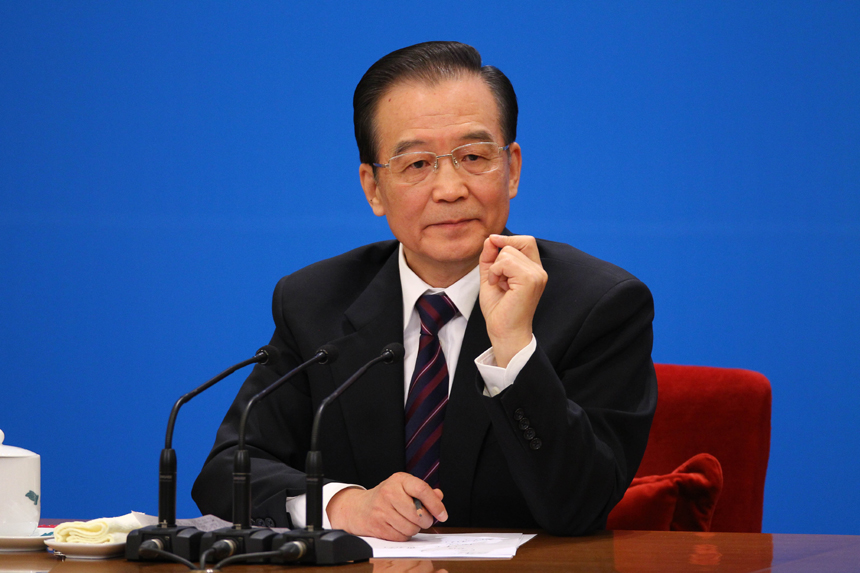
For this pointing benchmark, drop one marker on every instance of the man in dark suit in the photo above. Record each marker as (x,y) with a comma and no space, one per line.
(537,387)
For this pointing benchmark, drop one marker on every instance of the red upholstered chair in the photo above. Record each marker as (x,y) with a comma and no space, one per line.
(723,412)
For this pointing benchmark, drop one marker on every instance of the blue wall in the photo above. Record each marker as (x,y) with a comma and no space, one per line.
(162,164)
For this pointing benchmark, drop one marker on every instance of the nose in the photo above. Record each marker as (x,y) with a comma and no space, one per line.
(449,181)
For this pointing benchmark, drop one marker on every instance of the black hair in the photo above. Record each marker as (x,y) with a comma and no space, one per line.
(429,62)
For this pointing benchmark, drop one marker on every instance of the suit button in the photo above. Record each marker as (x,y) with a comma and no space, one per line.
(518,414)
(270,522)
(535,444)
(529,434)
(524,424)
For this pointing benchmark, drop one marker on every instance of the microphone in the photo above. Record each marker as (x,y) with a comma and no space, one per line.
(242,461)
(330,547)
(166,537)
(313,464)
(234,540)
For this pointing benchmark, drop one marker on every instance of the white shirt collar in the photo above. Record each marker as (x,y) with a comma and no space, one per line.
(463,293)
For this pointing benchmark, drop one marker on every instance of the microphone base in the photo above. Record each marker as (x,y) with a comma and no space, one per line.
(183,541)
(254,540)
(325,546)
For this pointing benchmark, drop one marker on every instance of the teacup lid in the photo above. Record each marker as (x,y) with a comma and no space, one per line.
(12,451)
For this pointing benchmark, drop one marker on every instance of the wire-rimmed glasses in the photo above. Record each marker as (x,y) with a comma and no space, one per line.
(415,166)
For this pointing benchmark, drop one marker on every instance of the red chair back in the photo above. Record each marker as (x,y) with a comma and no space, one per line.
(724,412)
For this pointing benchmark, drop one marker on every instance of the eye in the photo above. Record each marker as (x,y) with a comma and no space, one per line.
(475,155)
(418,165)
(411,163)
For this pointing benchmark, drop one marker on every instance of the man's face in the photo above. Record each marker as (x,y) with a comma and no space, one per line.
(442,221)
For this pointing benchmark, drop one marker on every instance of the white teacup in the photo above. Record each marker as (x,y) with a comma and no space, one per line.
(20,491)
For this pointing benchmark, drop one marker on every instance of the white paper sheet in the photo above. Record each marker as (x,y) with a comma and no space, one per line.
(450,546)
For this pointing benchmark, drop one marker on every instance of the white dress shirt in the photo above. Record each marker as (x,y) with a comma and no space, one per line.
(464,295)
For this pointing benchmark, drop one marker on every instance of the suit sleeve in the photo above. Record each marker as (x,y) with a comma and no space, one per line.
(277,437)
(574,424)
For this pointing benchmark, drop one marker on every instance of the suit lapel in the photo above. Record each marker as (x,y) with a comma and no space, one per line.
(466,423)
(373,413)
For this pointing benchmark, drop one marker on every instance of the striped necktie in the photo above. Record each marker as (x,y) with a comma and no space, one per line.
(428,391)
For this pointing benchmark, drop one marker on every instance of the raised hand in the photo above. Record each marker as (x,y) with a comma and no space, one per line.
(512,282)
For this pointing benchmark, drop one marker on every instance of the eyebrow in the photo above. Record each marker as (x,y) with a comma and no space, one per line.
(404,145)
(472,136)
(479,135)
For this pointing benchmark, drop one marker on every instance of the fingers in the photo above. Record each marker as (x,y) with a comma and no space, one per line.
(512,261)
(522,243)
(429,499)
(500,251)
(489,254)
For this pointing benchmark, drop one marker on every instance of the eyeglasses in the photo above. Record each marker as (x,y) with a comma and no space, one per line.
(476,158)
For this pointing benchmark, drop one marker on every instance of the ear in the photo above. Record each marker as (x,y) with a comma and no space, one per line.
(516,164)
(371,188)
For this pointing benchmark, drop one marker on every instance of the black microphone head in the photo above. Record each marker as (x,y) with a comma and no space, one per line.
(268,355)
(394,353)
(329,353)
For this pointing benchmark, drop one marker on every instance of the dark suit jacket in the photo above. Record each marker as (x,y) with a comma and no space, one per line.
(556,450)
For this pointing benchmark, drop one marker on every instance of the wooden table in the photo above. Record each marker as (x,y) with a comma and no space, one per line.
(621,551)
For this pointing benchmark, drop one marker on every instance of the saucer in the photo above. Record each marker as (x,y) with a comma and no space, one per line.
(35,542)
(87,550)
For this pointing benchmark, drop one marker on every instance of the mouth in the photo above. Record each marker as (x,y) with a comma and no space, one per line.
(452,223)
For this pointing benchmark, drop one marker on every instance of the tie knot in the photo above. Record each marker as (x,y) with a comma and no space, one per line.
(435,310)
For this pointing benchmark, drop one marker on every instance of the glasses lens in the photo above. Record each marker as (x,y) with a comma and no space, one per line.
(478,157)
(412,167)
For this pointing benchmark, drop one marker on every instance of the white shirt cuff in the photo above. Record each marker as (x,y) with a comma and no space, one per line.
(497,378)
(296,505)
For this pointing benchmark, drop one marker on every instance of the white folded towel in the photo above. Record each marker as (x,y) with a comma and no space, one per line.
(104,530)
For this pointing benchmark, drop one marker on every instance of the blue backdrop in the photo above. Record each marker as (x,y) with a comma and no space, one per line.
(162,164)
